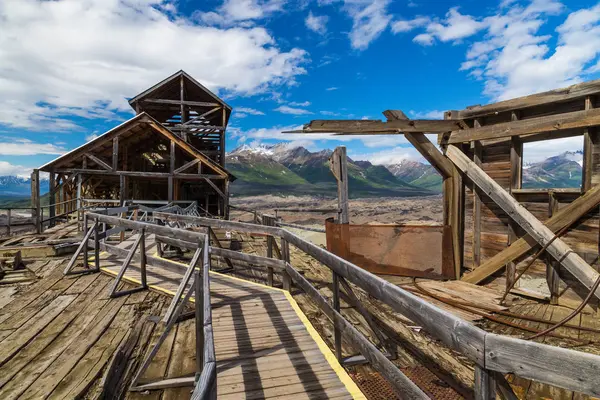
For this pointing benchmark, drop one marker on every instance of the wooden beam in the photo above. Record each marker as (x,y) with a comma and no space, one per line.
(35,200)
(186,166)
(564,217)
(185,102)
(145,174)
(204,115)
(366,127)
(115,154)
(428,150)
(99,162)
(553,96)
(216,188)
(581,270)
(586,170)
(477,156)
(548,123)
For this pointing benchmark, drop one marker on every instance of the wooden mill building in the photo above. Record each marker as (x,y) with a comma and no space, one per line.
(173,149)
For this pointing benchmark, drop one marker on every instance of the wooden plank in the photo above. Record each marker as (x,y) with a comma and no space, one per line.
(366,127)
(179,102)
(431,153)
(549,123)
(68,357)
(99,162)
(565,217)
(477,155)
(569,93)
(20,337)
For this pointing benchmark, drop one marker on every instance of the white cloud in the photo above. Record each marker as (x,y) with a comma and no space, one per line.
(332,88)
(292,110)
(90,137)
(329,113)
(7,168)
(389,156)
(25,147)
(408,25)
(369,19)
(63,58)
(248,110)
(240,11)
(299,104)
(512,57)
(316,24)
(433,114)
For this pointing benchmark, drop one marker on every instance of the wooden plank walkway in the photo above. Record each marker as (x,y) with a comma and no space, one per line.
(265,346)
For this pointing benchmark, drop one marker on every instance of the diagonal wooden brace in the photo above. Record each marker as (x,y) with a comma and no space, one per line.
(572,262)
(141,243)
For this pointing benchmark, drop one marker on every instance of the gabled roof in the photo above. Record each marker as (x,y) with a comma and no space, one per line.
(140,121)
(174,80)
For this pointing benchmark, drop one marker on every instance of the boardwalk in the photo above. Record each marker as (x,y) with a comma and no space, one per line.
(58,338)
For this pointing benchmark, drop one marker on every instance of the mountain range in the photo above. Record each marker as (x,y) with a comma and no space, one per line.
(281,169)
(295,170)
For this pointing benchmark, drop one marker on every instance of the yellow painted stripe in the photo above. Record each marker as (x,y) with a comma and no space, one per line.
(329,356)
(350,385)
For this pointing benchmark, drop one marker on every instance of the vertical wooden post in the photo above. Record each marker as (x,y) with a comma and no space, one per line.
(171,195)
(143,257)
(199,312)
(52,198)
(337,334)
(121,190)
(270,240)
(78,202)
(183,110)
(516,181)
(552,266)
(226,199)
(85,246)
(115,153)
(35,200)
(222,138)
(285,256)
(485,384)
(97,246)
(339,167)
(587,150)
(477,156)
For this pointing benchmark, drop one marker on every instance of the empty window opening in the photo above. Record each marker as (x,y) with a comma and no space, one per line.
(553,164)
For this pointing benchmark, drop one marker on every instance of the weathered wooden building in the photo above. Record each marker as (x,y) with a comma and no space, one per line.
(172,150)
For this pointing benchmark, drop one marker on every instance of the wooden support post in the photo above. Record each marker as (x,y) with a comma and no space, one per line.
(85,246)
(226,198)
(115,154)
(552,266)
(285,256)
(143,258)
(580,269)
(337,334)
(183,110)
(339,168)
(52,199)
(485,385)
(35,200)
(222,138)
(78,202)
(457,220)
(477,156)
(516,181)
(121,190)
(97,246)
(588,133)
(170,188)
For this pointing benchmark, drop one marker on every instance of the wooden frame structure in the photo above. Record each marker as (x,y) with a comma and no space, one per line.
(173,149)
(481,164)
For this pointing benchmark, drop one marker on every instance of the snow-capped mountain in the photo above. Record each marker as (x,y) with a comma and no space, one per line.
(17,186)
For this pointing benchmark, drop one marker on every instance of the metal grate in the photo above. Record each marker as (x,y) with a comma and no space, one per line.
(375,387)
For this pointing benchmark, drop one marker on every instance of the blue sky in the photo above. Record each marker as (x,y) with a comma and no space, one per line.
(67,67)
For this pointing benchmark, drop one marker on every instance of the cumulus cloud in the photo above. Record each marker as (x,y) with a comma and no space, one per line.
(299,103)
(511,55)
(369,19)
(293,110)
(240,11)
(316,24)
(248,110)
(85,58)
(25,147)
(401,26)
(8,169)
(433,114)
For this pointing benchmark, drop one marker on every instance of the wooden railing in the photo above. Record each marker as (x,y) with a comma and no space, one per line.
(21,221)
(493,355)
